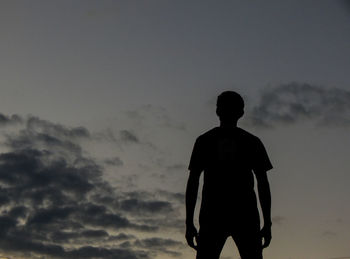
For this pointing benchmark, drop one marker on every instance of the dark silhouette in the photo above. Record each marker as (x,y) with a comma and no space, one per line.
(229,156)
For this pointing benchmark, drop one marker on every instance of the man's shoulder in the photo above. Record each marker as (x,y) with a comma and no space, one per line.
(247,134)
(240,133)
(208,134)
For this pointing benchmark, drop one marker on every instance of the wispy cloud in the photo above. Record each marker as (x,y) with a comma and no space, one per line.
(295,102)
(128,137)
(156,115)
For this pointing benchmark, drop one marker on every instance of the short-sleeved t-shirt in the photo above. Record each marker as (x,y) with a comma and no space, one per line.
(228,158)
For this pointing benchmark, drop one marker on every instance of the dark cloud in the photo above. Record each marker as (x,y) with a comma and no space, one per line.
(10,120)
(98,252)
(295,102)
(52,207)
(55,201)
(128,137)
(27,247)
(160,245)
(106,135)
(26,139)
(121,237)
(157,242)
(166,223)
(87,235)
(115,161)
(120,138)
(54,129)
(155,202)
(157,245)
(171,196)
(159,208)
(60,236)
(146,207)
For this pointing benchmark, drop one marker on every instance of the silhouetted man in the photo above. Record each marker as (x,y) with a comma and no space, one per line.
(229,156)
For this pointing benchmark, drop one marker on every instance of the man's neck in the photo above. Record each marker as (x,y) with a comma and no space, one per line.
(228,125)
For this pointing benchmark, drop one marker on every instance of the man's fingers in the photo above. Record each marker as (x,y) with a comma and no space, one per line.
(191,234)
(193,246)
(191,243)
(266,235)
(266,242)
(196,238)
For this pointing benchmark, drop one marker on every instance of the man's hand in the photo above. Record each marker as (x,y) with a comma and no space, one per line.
(191,198)
(265,233)
(191,234)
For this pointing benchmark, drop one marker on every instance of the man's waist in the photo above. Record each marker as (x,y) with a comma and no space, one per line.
(247,213)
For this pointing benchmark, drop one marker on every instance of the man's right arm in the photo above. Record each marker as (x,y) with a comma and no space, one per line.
(191,198)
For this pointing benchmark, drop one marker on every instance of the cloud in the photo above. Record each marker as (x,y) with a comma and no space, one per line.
(54,129)
(114,161)
(157,245)
(146,207)
(9,120)
(295,102)
(171,196)
(55,201)
(128,137)
(160,244)
(157,115)
(51,198)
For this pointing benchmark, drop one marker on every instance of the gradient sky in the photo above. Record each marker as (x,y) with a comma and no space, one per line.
(101,102)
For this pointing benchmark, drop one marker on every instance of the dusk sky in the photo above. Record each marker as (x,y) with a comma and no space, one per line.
(101,102)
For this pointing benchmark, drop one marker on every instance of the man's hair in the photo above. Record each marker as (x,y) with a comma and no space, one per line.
(230,100)
(229,105)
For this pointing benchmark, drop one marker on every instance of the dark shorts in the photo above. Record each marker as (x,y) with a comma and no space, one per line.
(212,239)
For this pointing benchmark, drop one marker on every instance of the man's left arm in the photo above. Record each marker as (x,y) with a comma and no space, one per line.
(265,202)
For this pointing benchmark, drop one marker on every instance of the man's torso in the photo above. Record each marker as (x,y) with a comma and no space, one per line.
(228,192)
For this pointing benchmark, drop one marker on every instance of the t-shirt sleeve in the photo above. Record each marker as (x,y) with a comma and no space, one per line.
(261,160)
(197,157)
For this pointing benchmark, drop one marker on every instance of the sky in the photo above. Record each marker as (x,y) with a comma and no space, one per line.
(101,102)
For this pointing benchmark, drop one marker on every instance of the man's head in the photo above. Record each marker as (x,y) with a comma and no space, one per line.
(229,106)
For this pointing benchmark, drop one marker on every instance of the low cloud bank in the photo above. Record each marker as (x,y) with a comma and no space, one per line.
(55,202)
